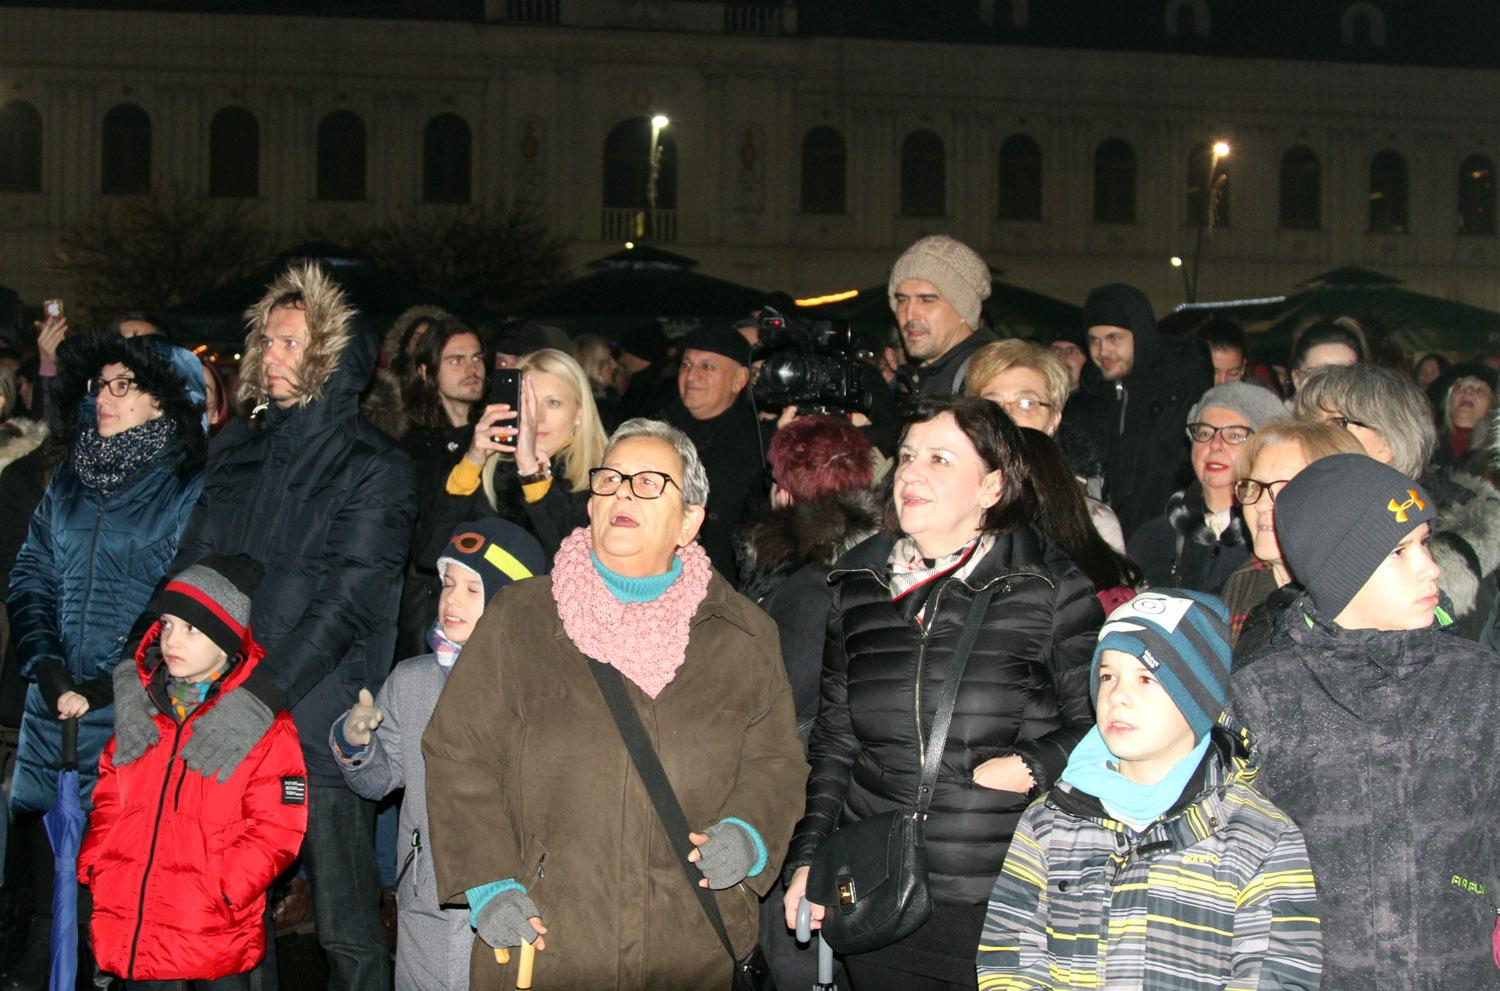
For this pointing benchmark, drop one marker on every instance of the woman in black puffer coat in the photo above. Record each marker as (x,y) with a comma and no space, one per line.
(959,523)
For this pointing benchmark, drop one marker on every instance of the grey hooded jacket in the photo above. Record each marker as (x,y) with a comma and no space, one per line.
(432,943)
(1380,745)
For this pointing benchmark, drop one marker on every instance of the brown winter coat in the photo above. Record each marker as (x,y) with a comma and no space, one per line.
(527,778)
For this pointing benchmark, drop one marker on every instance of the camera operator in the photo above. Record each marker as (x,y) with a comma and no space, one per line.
(714,410)
(936,289)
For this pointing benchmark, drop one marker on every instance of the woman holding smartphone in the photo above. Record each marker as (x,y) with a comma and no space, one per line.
(529,464)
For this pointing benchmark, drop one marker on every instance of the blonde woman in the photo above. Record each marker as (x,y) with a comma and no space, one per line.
(531,465)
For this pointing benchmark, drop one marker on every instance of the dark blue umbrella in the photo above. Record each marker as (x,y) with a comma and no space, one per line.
(65,822)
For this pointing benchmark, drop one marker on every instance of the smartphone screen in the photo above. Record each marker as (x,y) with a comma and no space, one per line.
(505,387)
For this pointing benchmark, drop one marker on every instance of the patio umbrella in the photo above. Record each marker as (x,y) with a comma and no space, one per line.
(1415,321)
(218,315)
(1012,311)
(638,284)
(64,823)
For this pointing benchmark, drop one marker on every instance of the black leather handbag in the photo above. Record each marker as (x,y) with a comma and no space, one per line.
(752,972)
(871,875)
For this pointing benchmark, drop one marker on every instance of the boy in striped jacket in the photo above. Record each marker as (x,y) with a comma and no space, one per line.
(1155,865)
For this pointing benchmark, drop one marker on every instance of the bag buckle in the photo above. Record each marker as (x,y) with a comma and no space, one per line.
(845,890)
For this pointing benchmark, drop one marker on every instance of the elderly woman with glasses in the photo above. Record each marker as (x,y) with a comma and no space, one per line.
(1201,538)
(1261,587)
(1392,420)
(98,543)
(540,821)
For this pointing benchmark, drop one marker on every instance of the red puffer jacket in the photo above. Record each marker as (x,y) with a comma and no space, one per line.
(179,863)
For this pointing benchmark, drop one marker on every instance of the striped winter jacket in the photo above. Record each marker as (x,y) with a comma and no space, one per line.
(1217,894)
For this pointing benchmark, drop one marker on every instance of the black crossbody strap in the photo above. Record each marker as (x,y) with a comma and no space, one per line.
(659,787)
(937,740)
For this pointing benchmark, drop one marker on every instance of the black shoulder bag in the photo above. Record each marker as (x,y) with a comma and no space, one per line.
(750,974)
(872,874)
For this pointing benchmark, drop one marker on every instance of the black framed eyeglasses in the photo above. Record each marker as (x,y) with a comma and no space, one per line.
(643,484)
(117,386)
(1025,404)
(1202,433)
(1345,422)
(1249,490)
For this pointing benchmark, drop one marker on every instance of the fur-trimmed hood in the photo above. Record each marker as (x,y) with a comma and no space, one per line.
(19,436)
(383,406)
(817,531)
(1465,536)
(339,357)
(392,347)
(167,372)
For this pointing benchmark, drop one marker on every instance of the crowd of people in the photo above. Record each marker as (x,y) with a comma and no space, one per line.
(1119,659)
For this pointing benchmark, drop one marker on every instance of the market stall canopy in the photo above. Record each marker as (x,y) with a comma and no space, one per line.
(1415,321)
(217,317)
(1012,311)
(638,284)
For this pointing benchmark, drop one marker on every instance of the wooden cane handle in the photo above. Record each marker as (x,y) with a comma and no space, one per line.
(502,956)
(528,961)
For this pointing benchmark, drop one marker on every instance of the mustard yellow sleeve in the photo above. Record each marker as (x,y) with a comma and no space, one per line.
(536,491)
(464,478)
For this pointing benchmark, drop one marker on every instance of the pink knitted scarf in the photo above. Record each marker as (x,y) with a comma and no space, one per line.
(645,641)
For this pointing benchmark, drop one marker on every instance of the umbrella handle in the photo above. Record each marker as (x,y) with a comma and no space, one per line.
(70,744)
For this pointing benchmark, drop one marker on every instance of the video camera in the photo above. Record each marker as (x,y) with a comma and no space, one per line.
(812,366)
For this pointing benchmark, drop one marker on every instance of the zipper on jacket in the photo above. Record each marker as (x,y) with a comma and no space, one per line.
(88,582)
(1123,395)
(541,867)
(161,805)
(916,694)
(411,856)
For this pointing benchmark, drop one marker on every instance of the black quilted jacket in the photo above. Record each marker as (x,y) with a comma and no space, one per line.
(1025,691)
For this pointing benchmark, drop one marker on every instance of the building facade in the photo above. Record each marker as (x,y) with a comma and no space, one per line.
(792,160)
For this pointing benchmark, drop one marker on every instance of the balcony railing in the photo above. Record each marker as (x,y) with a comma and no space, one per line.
(753,18)
(528,11)
(631,224)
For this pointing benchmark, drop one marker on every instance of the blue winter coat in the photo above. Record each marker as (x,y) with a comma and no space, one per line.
(325,502)
(85,575)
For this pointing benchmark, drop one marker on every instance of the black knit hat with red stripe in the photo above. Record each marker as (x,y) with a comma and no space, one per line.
(214,596)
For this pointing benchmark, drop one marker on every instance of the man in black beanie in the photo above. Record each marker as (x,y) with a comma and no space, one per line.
(714,410)
(1377,732)
(1134,408)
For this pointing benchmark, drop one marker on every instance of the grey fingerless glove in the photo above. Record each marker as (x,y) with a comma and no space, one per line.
(135,724)
(223,735)
(503,921)
(728,855)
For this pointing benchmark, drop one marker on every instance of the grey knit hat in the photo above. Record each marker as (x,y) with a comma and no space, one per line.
(959,274)
(214,596)
(1339,518)
(1255,403)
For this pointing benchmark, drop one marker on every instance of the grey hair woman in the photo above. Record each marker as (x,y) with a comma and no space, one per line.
(539,823)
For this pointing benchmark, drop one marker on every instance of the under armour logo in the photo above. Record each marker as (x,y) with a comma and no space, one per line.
(1400,508)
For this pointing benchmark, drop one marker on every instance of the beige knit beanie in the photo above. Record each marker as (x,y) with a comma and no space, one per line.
(959,274)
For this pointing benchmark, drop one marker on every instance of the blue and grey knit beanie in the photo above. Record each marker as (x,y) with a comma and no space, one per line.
(1182,637)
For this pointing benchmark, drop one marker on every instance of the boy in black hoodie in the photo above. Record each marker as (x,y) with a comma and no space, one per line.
(1378,732)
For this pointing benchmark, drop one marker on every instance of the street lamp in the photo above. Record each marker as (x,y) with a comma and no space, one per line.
(1187,290)
(1215,188)
(658,124)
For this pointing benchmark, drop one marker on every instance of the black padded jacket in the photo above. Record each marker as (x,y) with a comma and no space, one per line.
(1025,692)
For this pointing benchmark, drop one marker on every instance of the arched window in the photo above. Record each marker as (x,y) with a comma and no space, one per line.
(627,166)
(1114,183)
(1476,195)
(825,171)
(20,148)
(1301,190)
(1203,188)
(1188,19)
(234,154)
(446,158)
(1362,27)
(1020,178)
(125,156)
(924,180)
(341,156)
(1388,193)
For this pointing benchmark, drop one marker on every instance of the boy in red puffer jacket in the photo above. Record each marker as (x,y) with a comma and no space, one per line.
(179,862)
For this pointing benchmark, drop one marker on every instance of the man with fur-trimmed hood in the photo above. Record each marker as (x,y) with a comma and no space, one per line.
(324,502)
